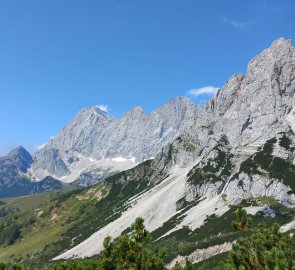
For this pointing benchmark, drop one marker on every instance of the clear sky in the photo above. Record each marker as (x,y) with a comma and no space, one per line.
(59,56)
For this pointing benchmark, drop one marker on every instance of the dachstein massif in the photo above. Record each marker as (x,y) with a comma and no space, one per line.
(183,168)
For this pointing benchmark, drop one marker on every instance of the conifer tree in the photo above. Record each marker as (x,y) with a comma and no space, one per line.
(242,222)
(262,248)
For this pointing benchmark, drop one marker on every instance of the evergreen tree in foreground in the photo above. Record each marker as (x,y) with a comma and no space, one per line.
(131,251)
(262,248)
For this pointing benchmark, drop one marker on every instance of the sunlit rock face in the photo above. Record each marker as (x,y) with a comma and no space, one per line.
(244,136)
(95,135)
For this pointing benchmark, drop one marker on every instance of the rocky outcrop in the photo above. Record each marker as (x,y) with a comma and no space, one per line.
(201,254)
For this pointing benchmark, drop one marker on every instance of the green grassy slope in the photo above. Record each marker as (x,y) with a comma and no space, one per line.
(44,225)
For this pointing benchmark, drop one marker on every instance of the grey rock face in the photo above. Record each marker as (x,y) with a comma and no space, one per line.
(260,100)
(94,134)
(13,181)
(249,110)
(21,158)
(52,161)
(255,186)
(86,179)
(14,165)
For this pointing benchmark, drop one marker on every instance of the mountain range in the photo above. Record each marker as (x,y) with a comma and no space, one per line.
(94,136)
(95,145)
(183,168)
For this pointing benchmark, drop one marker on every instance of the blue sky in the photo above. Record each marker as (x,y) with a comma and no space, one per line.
(57,57)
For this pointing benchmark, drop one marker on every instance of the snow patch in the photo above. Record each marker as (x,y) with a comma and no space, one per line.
(121,159)
(87,164)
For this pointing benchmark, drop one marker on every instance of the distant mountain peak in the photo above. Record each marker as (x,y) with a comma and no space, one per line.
(19,151)
(94,110)
(16,150)
(21,157)
(137,109)
(180,99)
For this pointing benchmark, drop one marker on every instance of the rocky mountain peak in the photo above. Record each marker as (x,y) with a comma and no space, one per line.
(249,104)
(177,105)
(137,109)
(179,100)
(135,112)
(265,88)
(21,158)
(271,60)
(94,112)
(281,43)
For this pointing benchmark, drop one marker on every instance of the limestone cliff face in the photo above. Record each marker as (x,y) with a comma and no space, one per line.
(95,135)
(250,123)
